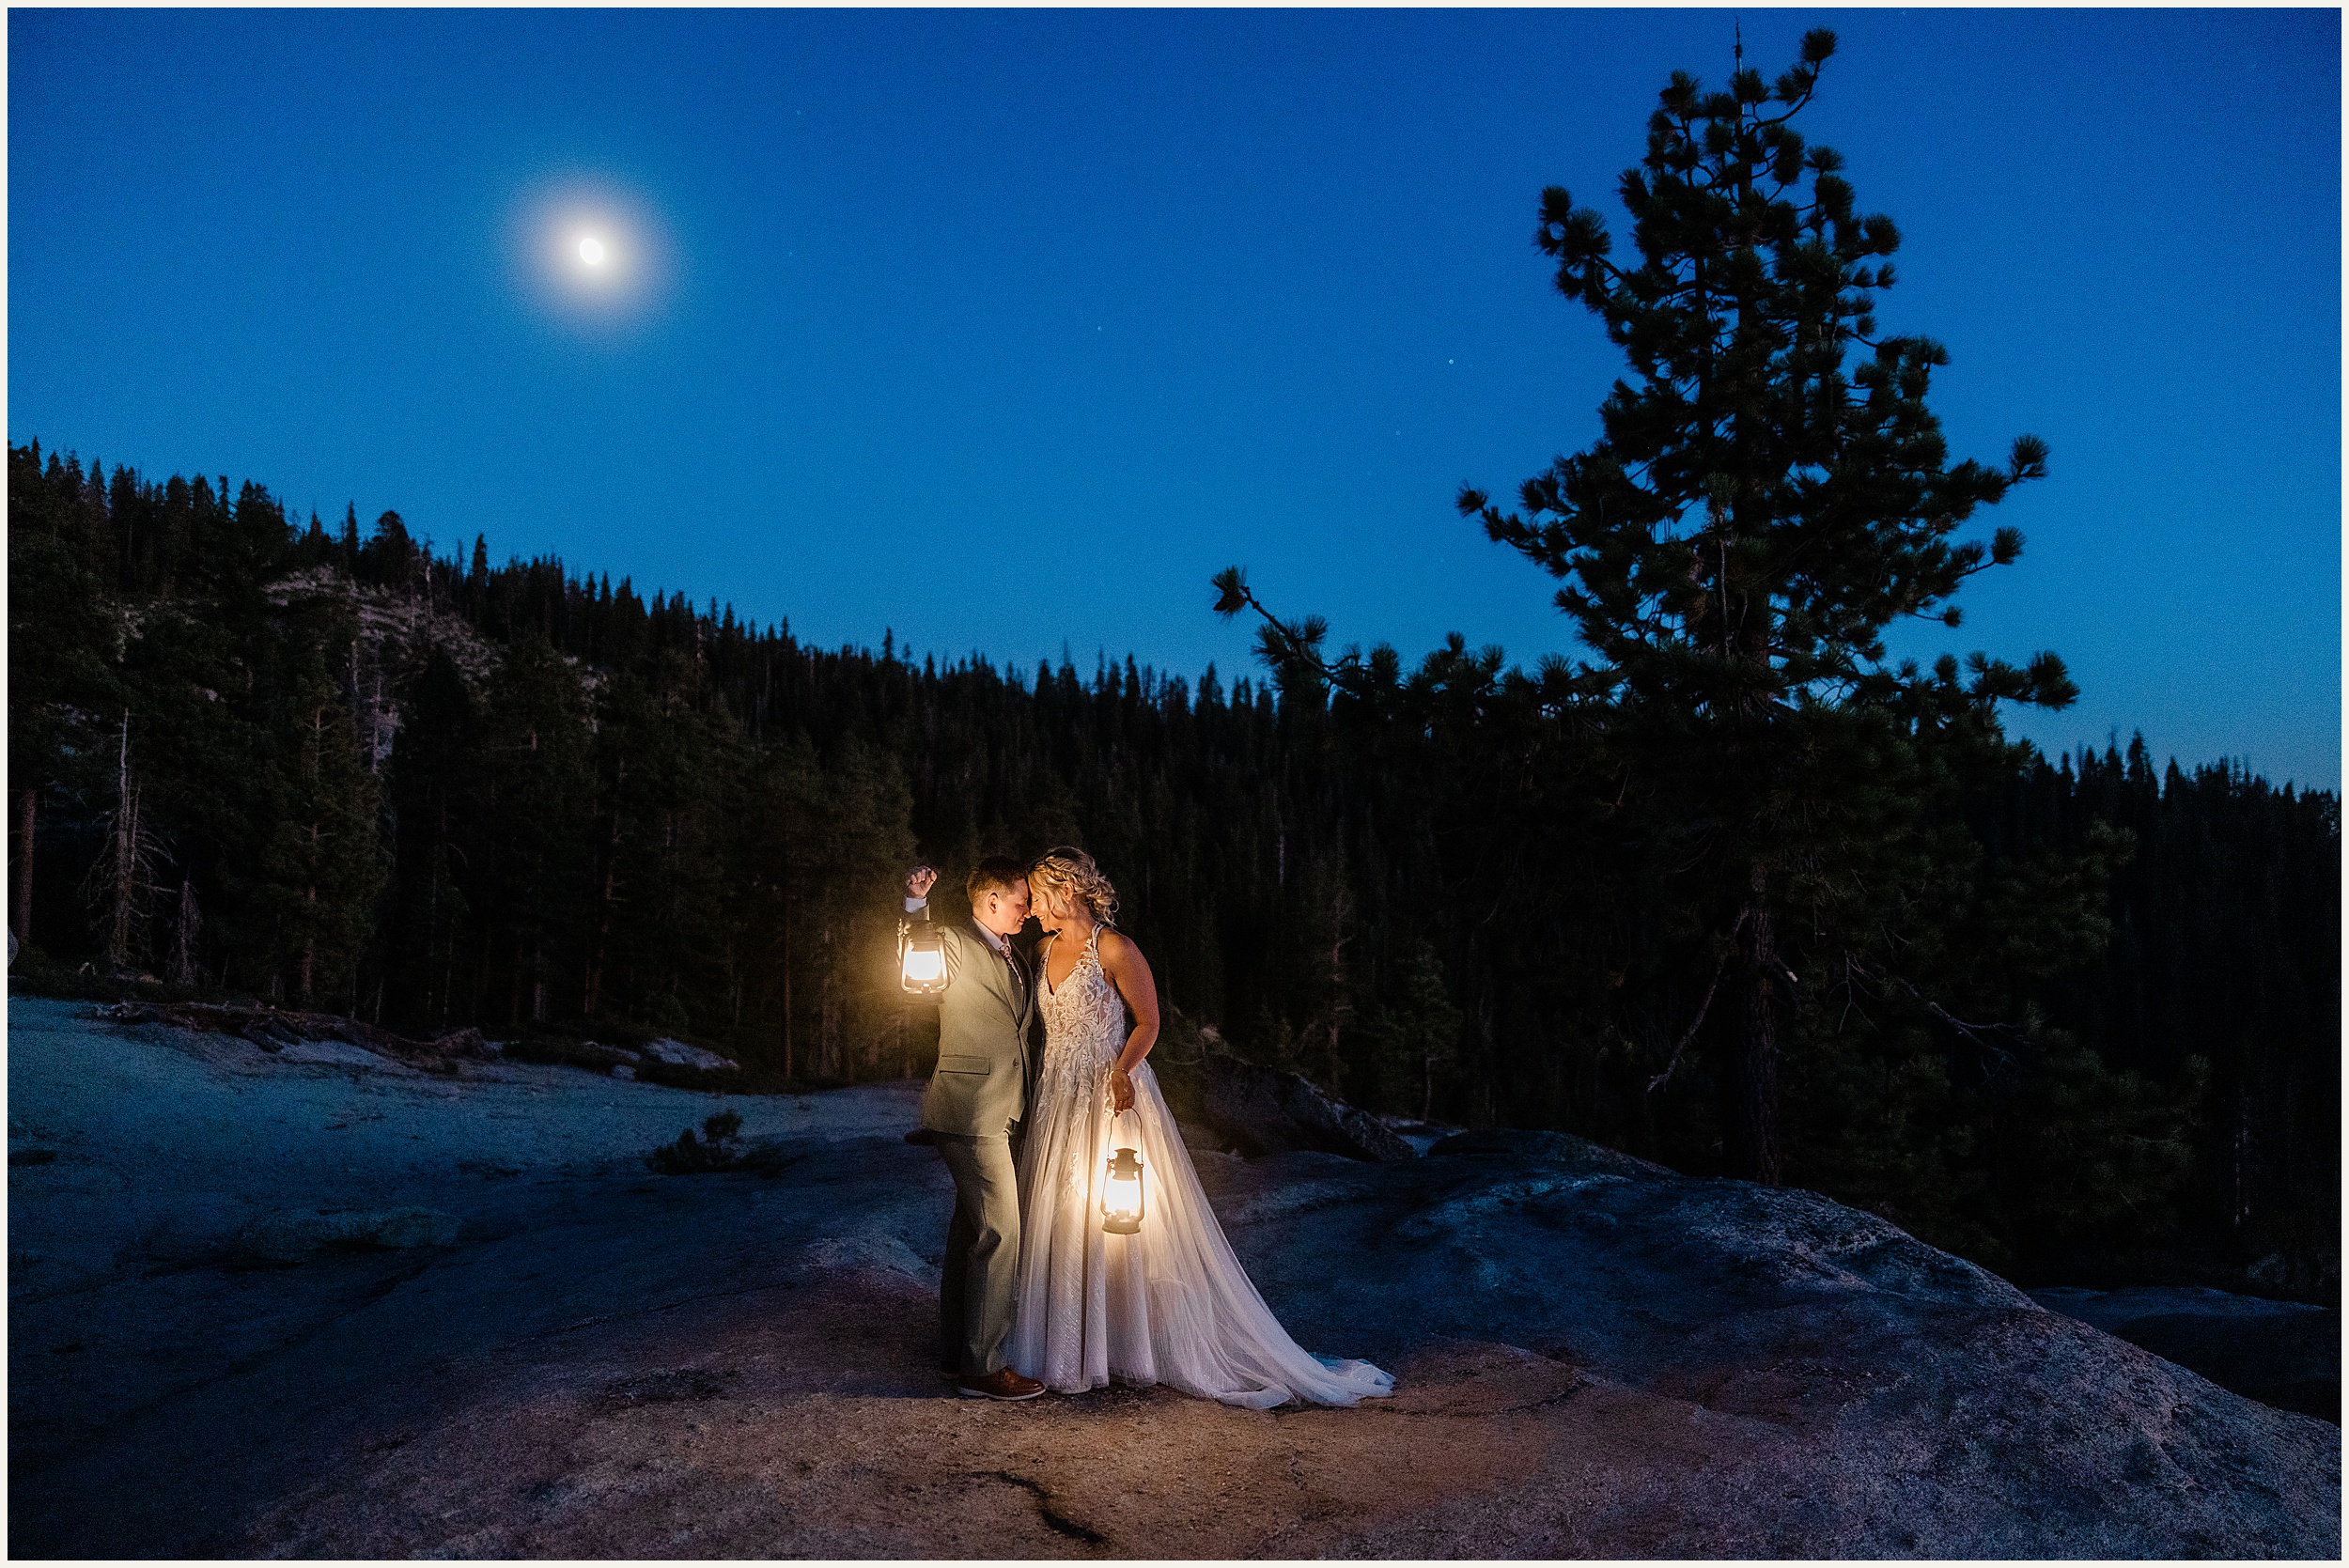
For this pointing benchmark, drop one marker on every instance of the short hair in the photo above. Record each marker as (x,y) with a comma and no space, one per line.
(996,870)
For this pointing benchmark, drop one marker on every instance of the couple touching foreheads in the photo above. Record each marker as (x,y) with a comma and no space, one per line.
(1036,1294)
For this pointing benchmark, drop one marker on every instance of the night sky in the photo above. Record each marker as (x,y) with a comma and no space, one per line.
(1005,330)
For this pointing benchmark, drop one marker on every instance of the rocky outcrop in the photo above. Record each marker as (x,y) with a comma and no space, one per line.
(275,1029)
(1266,1112)
(1595,1356)
(398,632)
(2281,1353)
(677,1053)
(1857,1391)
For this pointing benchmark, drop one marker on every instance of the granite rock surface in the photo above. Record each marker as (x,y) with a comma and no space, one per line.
(551,1352)
(1262,1110)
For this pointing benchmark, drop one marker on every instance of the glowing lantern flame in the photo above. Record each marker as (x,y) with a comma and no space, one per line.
(922,960)
(1121,1200)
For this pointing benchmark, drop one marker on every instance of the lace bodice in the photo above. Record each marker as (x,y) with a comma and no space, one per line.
(1084,1017)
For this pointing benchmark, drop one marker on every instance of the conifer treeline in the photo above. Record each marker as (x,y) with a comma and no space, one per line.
(342,771)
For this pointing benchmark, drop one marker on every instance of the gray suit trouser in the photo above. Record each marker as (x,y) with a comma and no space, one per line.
(981,1277)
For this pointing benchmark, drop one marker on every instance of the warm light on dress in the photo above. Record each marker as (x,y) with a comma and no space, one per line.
(1121,1199)
(922,960)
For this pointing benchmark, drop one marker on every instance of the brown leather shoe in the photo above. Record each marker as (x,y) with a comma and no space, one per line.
(1002,1383)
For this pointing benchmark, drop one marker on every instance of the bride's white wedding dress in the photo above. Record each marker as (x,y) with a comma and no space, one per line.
(1170,1304)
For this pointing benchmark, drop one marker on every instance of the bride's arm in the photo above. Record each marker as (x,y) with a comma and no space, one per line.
(1130,971)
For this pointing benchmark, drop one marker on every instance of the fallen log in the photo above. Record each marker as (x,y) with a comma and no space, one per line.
(274,1029)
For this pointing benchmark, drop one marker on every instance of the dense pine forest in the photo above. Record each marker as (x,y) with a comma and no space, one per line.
(332,769)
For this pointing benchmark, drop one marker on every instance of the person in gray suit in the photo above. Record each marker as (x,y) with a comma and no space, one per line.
(976,1098)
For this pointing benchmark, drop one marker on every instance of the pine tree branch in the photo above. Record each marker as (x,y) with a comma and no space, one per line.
(1728,951)
(1974,1032)
(1296,645)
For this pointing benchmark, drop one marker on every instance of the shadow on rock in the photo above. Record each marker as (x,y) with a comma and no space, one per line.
(2281,1353)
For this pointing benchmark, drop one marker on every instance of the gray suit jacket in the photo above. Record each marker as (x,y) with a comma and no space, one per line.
(981,1084)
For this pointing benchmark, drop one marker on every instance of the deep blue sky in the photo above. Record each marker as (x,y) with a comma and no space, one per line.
(1006,329)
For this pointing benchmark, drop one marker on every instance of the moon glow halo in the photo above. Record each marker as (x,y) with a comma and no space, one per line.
(590,253)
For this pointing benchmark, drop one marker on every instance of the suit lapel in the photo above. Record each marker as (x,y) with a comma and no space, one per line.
(1019,995)
(999,979)
(1024,1002)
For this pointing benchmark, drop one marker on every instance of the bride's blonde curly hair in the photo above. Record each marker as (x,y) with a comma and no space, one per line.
(1070,872)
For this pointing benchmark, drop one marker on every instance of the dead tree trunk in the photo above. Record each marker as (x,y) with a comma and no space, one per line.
(594,988)
(125,847)
(310,946)
(785,879)
(126,870)
(184,931)
(1340,1009)
(25,866)
(1754,1120)
(829,1048)
(514,988)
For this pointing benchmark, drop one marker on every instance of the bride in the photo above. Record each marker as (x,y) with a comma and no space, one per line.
(1169,1304)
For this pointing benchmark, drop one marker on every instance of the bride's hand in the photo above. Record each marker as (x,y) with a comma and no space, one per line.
(1121,1089)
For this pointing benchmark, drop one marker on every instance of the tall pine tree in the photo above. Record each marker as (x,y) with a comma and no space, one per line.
(1757,511)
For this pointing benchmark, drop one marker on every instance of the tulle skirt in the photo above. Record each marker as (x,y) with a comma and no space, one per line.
(1168,1305)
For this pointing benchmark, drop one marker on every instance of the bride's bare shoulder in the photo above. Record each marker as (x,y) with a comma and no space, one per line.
(1117,950)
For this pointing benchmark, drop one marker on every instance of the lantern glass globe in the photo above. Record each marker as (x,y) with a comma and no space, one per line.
(921,960)
(1122,1200)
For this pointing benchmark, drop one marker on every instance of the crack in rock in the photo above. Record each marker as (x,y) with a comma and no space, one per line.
(1053,1517)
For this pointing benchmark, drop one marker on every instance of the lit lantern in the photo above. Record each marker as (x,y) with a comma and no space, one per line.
(922,960)
(1121,1200)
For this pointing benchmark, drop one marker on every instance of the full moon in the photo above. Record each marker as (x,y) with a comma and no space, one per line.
(595,254)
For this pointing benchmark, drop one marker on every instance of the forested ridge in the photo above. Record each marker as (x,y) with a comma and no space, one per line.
(340,771)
